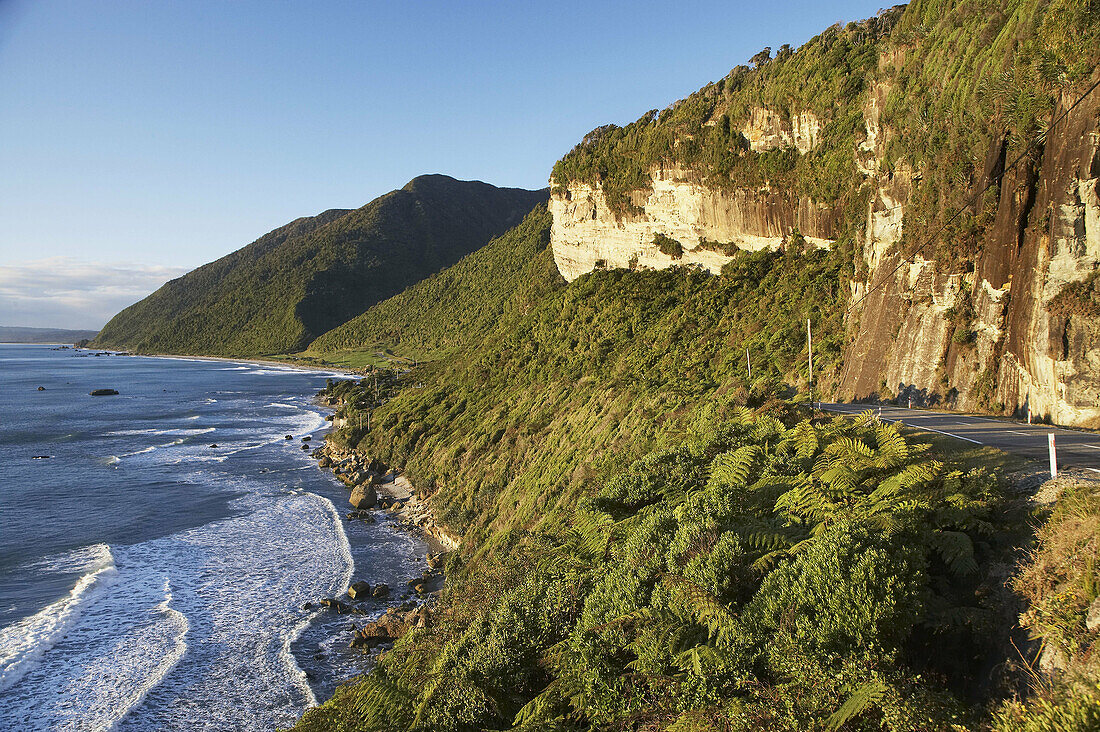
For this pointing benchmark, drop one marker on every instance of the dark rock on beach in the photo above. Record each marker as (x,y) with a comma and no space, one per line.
(359,590)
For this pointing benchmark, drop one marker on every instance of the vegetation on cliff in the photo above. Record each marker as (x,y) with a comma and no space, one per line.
(702,133)
(280,292)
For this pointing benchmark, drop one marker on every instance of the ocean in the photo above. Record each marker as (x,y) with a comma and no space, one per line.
(150,581)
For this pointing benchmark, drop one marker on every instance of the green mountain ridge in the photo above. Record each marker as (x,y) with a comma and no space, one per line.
(456,305)
(297,282)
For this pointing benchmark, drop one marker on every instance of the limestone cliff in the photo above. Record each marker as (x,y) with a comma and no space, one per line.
(954,301)
(587,234)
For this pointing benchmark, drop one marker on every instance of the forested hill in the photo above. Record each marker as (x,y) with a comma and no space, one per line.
(313,274)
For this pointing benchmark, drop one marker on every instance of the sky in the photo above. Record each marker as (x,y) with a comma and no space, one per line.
(140,139)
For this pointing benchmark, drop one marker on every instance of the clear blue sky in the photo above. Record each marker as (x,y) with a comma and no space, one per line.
(155,136)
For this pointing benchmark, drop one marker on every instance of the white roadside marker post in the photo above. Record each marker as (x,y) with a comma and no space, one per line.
(1053,456)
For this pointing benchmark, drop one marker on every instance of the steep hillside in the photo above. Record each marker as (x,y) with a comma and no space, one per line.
(948,151)
(301,280)
(456,306)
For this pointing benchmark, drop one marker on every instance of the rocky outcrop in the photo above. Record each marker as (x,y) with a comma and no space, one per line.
(977,335)
(375,487)
(1013,353)
(587,234)
(767,129)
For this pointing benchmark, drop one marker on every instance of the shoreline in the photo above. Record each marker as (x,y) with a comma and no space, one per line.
(394,493)
(227,359)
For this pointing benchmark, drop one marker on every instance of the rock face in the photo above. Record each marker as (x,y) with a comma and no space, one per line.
(1015,354)
(768,129)
(586,234)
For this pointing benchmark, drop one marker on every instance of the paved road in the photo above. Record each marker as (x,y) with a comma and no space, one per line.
(1075,449)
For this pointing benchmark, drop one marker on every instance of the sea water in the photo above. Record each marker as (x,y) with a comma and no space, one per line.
(150,581)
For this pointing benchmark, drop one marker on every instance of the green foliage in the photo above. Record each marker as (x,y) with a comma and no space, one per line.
(649,608)
(669,246)
(459,304)
(1078,298)
(277,294)
(702,133)
(514,426)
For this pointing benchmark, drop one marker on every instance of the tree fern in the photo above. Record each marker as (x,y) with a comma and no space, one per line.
(705,609)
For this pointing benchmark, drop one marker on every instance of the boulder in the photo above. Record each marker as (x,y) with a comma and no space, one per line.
(289,437)
(381,590)
(214,445)
(359,590)
(1092,618)
(305,447)
(364,496)
(42,388)
(307,438)
(101,392)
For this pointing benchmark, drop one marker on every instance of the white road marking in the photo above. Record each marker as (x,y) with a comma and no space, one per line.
(1025,434)
(957,437)
(1095,470)
(1094,447)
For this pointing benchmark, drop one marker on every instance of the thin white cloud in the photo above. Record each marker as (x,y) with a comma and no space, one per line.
(63,292)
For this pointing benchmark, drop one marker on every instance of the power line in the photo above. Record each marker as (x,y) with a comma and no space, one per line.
(973,199)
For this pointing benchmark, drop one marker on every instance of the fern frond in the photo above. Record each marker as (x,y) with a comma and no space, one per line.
(957,551)
(705,609)
(733,468)
(382,701)
(862,699)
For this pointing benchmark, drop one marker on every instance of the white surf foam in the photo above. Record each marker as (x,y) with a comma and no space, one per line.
(23,643)
(136,665)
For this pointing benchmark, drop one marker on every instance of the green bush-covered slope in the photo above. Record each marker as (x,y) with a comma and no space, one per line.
(290,286)
(586,376)
(761,572)
(459,304)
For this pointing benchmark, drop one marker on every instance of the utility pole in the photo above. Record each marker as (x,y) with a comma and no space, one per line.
(748,361)
(810,362)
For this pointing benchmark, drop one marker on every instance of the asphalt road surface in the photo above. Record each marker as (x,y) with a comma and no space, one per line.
(1075,449)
